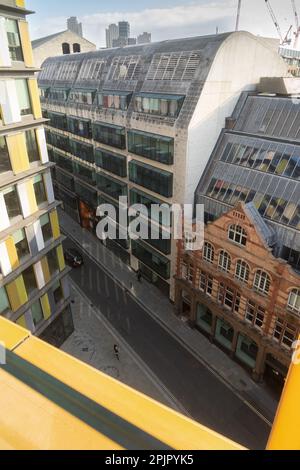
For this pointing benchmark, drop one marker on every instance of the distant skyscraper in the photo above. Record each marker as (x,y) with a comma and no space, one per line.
(131,41)
(144,38)
(112,33)
(74,25)
(124,31)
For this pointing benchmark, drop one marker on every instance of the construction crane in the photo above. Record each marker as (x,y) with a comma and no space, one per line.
(238,15)
(297,34)
(274,20)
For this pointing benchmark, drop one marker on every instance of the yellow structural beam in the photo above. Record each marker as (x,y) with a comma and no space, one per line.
(53,401)
(285,433)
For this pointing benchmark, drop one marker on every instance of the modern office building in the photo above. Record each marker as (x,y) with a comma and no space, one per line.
(74,26)
(124,30)
(142,122)
(236,292)
(144,38)
(34,290)
(112,33)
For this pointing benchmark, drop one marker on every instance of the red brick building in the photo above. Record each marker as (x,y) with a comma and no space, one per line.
(239,295)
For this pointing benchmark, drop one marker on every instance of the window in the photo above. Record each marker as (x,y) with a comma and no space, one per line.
(58,292)
(12,203)
(21,244)
(285,333)
(66,48)
(4,156)
(53,262)
(85,173)
(187,272)
(113,163)
(58,120)
(255,314)
(237,234)
(81,127)
(111,186)
(152,259)
(14,41)
(110,134)
(4,302)
(23,96)
(163,217)
(82,96)
(294,300)
(158,181)
(114,100)
(152,146)
(228,297)
(206,283)
(46,227)
(208,252)
(76,48)
(39,190)
(37,313)
(242,271)
(262,282)
(29,280)
(160,105)
(32,146)
(60,141)
(224,261)
(83,151)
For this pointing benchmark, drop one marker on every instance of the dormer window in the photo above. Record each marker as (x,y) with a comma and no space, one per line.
(237,234)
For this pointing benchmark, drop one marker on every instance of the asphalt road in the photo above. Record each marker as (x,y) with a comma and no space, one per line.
(206,398)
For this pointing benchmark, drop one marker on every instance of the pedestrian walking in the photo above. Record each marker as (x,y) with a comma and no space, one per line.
(139,276)
(116,351)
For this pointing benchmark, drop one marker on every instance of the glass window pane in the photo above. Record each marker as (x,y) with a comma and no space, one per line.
(4,156)
(37,313)
(4,302)
(14,42)
(23,96)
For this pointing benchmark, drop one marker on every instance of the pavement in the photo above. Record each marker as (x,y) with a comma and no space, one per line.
(227,398)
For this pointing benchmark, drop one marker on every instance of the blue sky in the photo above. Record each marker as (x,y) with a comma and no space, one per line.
(166,19)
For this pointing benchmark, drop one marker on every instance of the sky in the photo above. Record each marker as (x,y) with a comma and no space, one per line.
(165,19)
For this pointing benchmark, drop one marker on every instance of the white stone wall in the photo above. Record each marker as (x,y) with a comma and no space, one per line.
(53,47)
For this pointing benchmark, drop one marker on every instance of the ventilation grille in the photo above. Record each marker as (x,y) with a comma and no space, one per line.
(176,66)
(125,68)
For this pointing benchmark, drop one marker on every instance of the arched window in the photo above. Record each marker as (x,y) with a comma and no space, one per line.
(262,282)
(76,47)
(208,252)
(237,234)
(224,261)
(242,271)
(66,48)
(294,300)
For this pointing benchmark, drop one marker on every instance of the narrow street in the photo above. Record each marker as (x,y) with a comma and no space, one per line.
(206,398)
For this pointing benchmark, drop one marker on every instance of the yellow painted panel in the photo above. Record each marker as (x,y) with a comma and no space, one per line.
(12,253)
(285,432)
(46,306)
(17,149)
(35,98)
(148,415)
(17,294)
(21,321)
(26,44)
(20,3)
(54,224)
(31,197)
(46,271)
(61,258)
(10,334)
